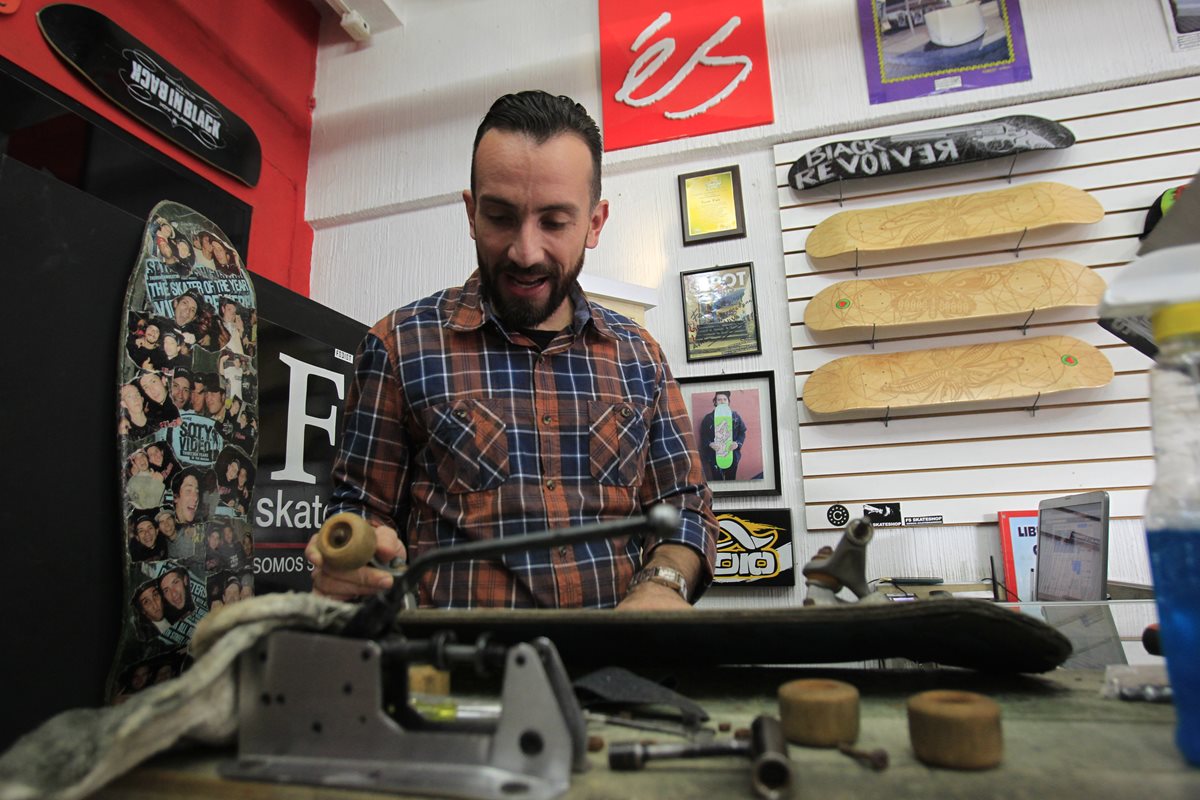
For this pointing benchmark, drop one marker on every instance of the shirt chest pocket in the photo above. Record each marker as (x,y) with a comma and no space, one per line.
(468,446)
(617,443)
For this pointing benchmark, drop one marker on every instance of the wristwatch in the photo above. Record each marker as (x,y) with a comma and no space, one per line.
(667,576)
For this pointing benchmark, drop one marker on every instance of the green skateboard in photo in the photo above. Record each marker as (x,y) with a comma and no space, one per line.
(723,435)
(187,402)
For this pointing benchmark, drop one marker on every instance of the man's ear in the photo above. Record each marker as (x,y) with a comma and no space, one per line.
(596,223)
(469,202)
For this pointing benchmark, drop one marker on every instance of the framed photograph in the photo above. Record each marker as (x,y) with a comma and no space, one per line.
(1018,542)
(710,205)
(754,547)
(720,312)
(733,420)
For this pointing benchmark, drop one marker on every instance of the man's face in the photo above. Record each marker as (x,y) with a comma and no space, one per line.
(197,396)
(150,602)
(214,401)
(181,391)
(185,310)
(188,499)
(166,526)
(174,590)
(214,539)
(531,218)
(227,534)
(152,384)
(146,533)
(720,400)
(151,335)
(140,463)
(131,398)
(170,346)
(233,593)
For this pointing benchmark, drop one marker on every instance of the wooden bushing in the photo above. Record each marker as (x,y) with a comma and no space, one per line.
(959,730)
(426,679)
(818,712)
(346,541)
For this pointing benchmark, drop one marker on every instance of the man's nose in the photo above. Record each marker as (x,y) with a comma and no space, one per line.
(526,248)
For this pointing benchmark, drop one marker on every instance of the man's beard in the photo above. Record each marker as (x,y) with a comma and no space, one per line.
(519,313)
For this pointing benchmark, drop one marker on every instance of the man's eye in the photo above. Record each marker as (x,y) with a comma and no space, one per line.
(498,219)
(554,225)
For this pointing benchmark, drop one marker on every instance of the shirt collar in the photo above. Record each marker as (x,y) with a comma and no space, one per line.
(470,310)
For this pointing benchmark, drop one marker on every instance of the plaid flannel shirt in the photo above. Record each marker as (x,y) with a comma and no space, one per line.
(457,429)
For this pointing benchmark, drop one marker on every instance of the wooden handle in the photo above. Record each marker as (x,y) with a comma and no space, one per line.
(959,730)
(346,541)
(818,712)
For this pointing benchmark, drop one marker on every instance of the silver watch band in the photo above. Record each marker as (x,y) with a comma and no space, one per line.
(667,576)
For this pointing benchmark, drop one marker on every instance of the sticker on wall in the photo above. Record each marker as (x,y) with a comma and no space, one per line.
(186,424)
(754,547)
(882,515)
(682,68)
(916,48)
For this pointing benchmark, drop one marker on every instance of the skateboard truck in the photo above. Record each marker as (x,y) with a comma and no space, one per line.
(844,566)
(334,710)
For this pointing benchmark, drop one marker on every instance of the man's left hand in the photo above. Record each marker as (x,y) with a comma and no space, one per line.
(651,596)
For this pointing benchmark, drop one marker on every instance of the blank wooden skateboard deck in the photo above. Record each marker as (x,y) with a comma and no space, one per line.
(187,394)
(1020,368)
(976,634)
(953,219)
(1019,287)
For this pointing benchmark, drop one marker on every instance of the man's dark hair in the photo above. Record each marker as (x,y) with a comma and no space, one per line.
(540,116)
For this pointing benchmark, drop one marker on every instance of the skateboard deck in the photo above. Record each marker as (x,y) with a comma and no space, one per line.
(1019,368)
(976,292)
(952,219)
(921,150)
(187,405)
(976,634)
(149,88)
(723,435)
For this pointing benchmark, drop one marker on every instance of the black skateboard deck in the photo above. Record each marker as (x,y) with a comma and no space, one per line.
(921,150)
(187,409)
(976,634)
(151,89)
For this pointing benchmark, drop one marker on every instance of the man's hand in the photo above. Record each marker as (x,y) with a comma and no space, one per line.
(349,584)
(651,596)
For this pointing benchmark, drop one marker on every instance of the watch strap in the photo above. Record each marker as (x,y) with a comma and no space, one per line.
(666,576)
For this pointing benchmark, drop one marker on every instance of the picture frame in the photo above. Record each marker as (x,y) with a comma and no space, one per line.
(1018,543)
(710,205)
(752,468)
(720,312)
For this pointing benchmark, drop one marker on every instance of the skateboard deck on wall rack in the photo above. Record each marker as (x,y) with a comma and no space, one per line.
(952,219)
(921,150)
(186,424)
(971,293)
(960,632)
(1022,368)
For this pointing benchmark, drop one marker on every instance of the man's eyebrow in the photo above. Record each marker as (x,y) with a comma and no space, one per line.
(491,199)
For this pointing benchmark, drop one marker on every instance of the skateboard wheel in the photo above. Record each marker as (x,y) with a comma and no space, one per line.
(818,712)
(346,541)
(959,730)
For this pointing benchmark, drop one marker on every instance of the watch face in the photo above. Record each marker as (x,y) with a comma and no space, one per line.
(838,515)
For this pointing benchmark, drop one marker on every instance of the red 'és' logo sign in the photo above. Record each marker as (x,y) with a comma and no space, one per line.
(681,68)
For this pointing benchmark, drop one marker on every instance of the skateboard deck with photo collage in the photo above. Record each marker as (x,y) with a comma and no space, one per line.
(187,432)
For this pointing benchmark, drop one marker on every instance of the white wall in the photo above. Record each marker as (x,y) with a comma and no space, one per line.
(395,120)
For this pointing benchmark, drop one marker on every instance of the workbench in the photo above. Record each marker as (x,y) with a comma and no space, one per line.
(1062,740)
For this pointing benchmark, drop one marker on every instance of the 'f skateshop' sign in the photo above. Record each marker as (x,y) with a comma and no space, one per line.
(150,89)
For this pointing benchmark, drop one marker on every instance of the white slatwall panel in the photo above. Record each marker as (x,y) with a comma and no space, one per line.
(965,463)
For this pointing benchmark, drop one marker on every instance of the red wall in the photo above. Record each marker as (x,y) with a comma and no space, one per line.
(258,59)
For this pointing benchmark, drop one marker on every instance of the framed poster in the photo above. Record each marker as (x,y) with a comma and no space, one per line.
(710,205)
(754,547)
(917,48)
(1018,541)
(720,312)
(733,420)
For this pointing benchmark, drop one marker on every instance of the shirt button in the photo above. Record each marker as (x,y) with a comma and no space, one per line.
(550,484)
(461,413)
(562,551)
(546,419)
(625,412)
